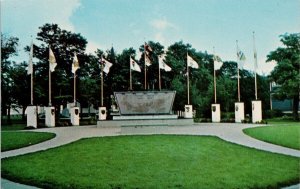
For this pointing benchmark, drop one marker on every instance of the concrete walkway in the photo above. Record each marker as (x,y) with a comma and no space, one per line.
(228,132)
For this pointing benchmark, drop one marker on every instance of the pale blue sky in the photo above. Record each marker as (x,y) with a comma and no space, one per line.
(128,23)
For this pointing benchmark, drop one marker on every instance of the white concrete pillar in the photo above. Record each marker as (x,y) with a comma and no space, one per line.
(32,112)
(256,111)
(40,109)
(102,113)
(239,112)
(50,116)
(188,111)
(215,113)
(75,116)
(61,107)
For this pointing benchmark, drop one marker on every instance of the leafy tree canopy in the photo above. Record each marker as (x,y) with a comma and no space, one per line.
(286,72)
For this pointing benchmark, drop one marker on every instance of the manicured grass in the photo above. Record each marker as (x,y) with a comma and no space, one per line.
(281,121)
(11,140)
(157,161)
(13,127)
(282,133)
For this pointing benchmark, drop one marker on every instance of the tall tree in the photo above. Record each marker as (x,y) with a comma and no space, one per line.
(64,44)
(120,72)
(8,49)
(20,86)
(152,70)
(286,72)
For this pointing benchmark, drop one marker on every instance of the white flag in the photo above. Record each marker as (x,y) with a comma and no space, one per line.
(191,62)
(75,64)
(147,60)
(30,66)
(255,60)
(162,64)
(52,60)
(134,66)
(241,58)
(107,65)
(217,63)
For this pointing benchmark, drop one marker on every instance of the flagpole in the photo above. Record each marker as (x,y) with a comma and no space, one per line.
(145,68)
(159,77)
(130,79)
(74,88)
(188,78)
(215,85)
(271,107)
(255,65)
(31,76)
(238,72)
(49,86)
(31,87)
(49,80)
(102,84)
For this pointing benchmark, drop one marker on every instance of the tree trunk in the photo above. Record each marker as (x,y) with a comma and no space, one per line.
(8,115)
(23,113)
(296,107)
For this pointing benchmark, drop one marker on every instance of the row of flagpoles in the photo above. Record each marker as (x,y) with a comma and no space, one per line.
(105,67)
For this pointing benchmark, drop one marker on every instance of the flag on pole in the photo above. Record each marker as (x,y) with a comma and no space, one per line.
(162,64)
(52,60)
(217,63)
(30,66)
(75,64)
(107,65)
(191,62)
(147,61)
(148,50)
(255,59)
(241,58)
(134,66)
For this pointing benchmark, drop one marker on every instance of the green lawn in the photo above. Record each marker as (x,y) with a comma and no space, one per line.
(281,133)
(13,127)
(156,161)
(16,139)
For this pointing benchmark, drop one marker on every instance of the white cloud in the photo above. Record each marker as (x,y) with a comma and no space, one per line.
(22,19)
(266,67)
(161,24)
(159,37)
(92,47)
(161,27)
(263,67)
(31,14)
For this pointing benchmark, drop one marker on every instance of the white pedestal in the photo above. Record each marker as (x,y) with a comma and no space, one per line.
(188,111)
(256,111)
(31,112)
(239,112)
(75,116)
(215,113)
(50,116)
(102,113)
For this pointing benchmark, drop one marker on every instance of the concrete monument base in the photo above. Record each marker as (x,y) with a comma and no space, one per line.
(75,116)
(215,113)
(50,116)
(256,111)
(145,122)
(239,112)
(102,113)
(31,112)
(188,111)
(144,117)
